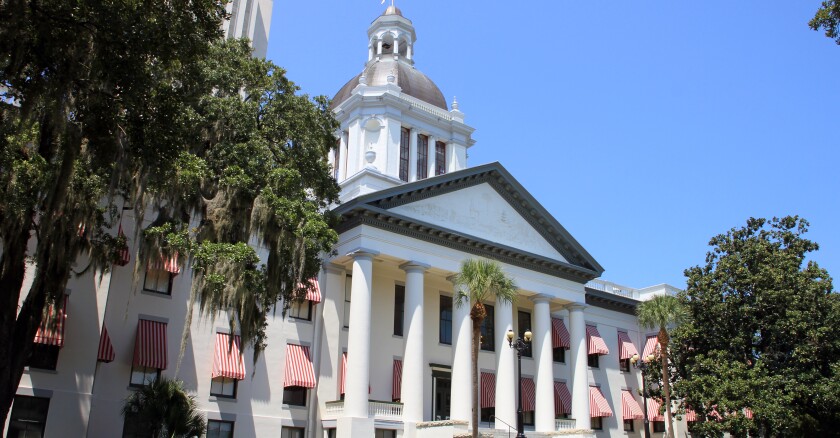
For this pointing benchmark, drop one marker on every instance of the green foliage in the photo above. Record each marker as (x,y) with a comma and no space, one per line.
(166,410)
(828,18)
(762,334)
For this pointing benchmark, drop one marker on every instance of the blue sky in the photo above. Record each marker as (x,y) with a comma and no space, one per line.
(645,128)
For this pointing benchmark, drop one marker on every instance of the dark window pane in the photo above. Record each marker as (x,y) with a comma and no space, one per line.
(445,320)
(592,360)
(158,281)
(292,432)
(658,426)
(336,157)
(624,365)
(223,387)
(405,139)
(28,417)
(422,156)
(488,329)
(597,424)
(301,310)
(219,429)
(440,158)
(628,425)
(559,354)
(295,396)
(399,309)
(44,357)
(487,415)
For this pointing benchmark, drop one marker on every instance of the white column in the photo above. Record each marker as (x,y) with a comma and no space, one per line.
(505,367)
(414,360)
(430,172)
(370,52)
(544,361)
(412,155)
(379,46)
(358,339)
(461,406)
(580,381)
(342,157)
(408,53)
(396,48)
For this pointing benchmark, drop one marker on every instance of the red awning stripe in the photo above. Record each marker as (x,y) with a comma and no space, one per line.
(314,292)
(227,358)
(595,342)
(396,384)
(559,335)
(106,349)
(123,255)
(690,415)
(51,330)
(653,410)
(168,264)
(651,346)
(299,369)
(488,390)
(626,349)
(529,394)
(150,344)
(748,413)
(562,398)
(343,377)
(598,406)
(630,409)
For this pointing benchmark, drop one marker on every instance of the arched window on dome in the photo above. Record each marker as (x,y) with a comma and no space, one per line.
(387,44)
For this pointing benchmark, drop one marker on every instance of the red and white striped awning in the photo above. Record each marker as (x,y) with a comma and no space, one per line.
(748,413)
(630,409)
(51,330)
(150,344)
(559,335)
(653,407)
(123,256)
(313,291)
(598,406)
(651,346)
(626,349)
(488,390)
(106,349)
(299,369)
(529,394)
(396,384)
(168,264)
(595,342)
(227,357)
(562,398)
(690,415)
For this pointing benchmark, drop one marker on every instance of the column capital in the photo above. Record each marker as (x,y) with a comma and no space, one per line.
(540,298)
(334,268)
(452,278)
(363,253)
(413,266)
(576,306)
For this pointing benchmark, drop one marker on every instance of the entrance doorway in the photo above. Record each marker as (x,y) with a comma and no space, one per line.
(441,394)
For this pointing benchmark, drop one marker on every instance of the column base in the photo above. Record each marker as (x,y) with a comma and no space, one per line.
(351,427)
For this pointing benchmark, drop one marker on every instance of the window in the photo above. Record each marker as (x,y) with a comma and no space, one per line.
(29,417)
(336,157)
(348,287)
(219,429)
(597,423)
(223,387)
(399,309)
(561,415)
(330,433)
(294,396)
(658,426)
(628,425)
(487,415)
(528,418)
(523,325)
(488,330)
(158,281)
(559,354)
(405,139)
(440,158)
(143,376)
(592,360)
(292,432)
(301,310)
(422,156)
(624,365)
(44,357)
(445,320)
(385,433)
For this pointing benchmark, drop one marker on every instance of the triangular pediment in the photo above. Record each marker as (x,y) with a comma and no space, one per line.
(482,212)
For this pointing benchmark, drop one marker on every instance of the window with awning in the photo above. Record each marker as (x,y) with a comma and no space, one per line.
(343,376)
(396,381)
(651,346)
(595,342)
(488,390)
(562,398)
(630,409)
(529,394)
(626,349)
(149,352)
(598,405)
(227,357)
(51,330)
(299,370)
(106,349)
(559,334)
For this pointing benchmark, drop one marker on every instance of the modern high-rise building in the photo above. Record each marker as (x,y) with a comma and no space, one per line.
(382,347)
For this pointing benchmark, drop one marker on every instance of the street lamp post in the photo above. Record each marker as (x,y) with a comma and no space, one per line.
(643,365)
(519,345)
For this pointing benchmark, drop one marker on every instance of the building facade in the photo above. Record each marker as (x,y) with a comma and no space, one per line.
(381,347)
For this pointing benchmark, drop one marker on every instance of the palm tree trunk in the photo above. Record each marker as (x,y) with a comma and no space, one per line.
(476,329)
(666,382)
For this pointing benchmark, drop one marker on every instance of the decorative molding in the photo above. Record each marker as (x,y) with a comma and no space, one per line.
(610,301)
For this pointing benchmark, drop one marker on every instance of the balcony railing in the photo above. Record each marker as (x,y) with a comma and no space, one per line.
(564,424)
(382,410)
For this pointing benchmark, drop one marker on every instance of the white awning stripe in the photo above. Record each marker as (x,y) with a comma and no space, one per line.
(396,384)
(595,342)
(559,335)
(299,369)
(626,349)
(529,394)
(562,398)
(651,346)
(630,409)
(227,358)
(150,344)
(653,410)
(51,330)
(488,390)
(168,264)
(313,292)
(598,405)
(106,349)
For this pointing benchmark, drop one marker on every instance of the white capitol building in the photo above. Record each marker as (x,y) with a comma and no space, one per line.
(380,351)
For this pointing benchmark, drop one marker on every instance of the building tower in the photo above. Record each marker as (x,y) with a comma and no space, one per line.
(395,124)
(250,19)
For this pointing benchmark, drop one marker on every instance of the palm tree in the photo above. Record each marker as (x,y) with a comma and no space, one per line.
(483,279)
(660,312)
(165,410)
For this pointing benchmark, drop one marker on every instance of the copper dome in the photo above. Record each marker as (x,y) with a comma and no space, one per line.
(409,79)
